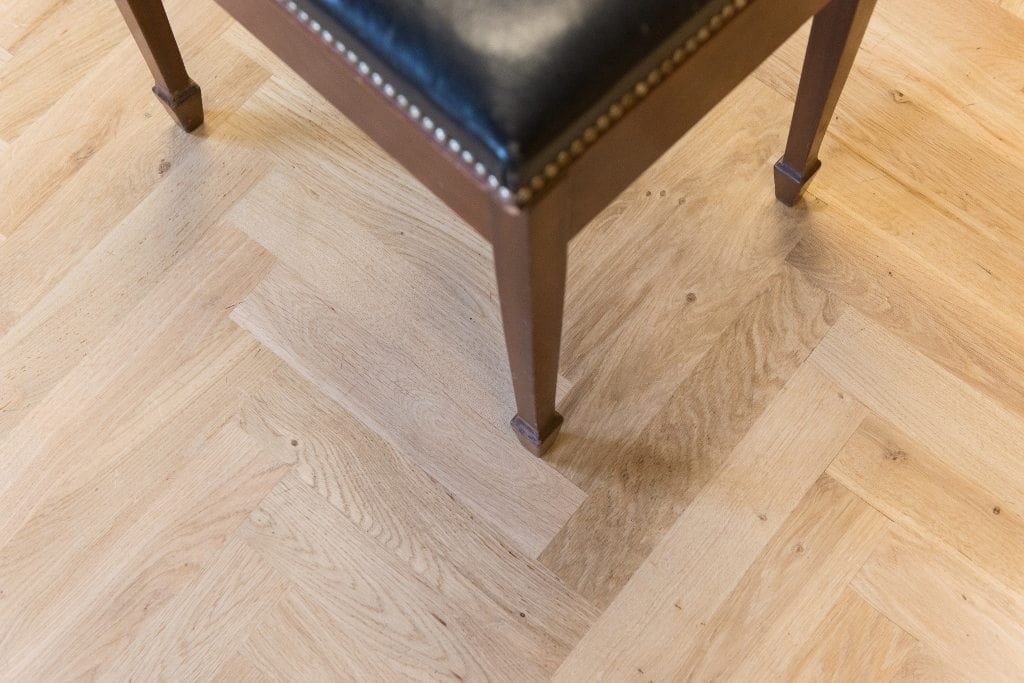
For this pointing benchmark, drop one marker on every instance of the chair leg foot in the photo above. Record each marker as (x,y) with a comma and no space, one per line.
(537,441)
(148,23)
(185,106)
(790,184)
(836,34)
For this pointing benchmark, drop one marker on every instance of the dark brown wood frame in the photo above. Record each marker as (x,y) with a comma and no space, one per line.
(530,241)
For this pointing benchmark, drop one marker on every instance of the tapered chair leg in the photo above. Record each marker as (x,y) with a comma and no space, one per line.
(148,23)
(530,260)
(836,34)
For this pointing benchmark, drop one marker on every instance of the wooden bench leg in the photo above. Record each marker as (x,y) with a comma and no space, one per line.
(148,23)
(530,260)
(836,34)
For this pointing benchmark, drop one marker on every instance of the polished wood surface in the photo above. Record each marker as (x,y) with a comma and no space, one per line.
(230,367)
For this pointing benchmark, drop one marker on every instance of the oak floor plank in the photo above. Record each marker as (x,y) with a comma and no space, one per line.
(786,593)
(923,664)
(400,619)
(392,387)
(1016,7)
(49,561)
(301,640)
(920,398)
(101,292)
(704,555)
(65,46)
(149,164)
(360,475)
(102,405)
(637,490)
(853,643)
(199,629)
(156,554)
(913,299)
(909,484)
(966,617)
(21,19)
(240,669)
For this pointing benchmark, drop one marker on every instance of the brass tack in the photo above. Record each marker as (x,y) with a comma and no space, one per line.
(666,67)
(679,55)
(615,111)
(564,158)
(691,45)
(654,78)
(739,4)
(603,122)
(627,101)
(523,195)
(716,22)
(590,134)
(640,89)
(537,183)
(577,147)
(728,11)
(551,170)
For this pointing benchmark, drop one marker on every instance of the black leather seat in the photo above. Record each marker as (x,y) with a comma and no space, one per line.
(507,82)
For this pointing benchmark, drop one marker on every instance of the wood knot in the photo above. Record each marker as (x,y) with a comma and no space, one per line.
(895,454)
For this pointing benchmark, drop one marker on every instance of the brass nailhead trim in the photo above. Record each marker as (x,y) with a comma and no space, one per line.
(564,157)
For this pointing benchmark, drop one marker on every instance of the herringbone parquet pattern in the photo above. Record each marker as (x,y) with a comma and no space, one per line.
(253,395)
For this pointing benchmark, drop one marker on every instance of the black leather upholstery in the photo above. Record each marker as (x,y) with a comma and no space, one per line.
(514,80)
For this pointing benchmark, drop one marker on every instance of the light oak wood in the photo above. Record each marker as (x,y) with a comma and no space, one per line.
(789,589)
(970,621)
(253,384)
(198,631)
(704,555)
(854,642)
(515,492)
(910,484)
(689,440)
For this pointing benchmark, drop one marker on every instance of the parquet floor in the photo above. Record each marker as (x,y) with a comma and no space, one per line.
(253,394)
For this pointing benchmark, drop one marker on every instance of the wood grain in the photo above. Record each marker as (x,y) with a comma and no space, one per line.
(854,642)
(971,621)
(719,535)
(390,386)
(907,483)
(198,630)
(389,499)
(637,490)
(394,614)
(793,438)
(983,442)
(789,589)
(155,554)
